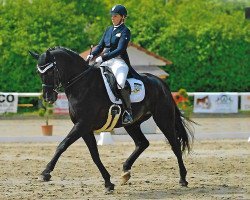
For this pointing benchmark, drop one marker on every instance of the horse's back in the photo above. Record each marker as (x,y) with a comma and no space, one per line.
(154,86)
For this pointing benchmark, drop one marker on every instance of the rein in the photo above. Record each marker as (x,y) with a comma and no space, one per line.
(78,77)
(75,79)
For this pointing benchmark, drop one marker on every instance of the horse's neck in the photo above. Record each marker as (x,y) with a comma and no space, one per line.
(71,68)
(90,81)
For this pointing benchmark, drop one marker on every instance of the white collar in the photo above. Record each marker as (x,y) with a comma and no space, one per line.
(118,25)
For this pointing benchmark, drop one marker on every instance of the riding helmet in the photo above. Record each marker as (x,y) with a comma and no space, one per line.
(119,9)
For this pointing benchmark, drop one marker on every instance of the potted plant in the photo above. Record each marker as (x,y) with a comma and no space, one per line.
(46,111)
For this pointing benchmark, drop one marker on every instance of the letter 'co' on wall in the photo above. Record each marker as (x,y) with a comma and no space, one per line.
(8,102)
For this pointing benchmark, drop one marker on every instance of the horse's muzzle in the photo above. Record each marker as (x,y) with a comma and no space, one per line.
(50,98)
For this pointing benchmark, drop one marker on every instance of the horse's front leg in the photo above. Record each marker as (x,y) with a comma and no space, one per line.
(73,135)
(92,146)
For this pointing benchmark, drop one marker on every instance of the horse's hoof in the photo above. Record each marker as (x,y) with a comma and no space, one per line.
(125,177)
(183,183)
(109,189)
(45,177)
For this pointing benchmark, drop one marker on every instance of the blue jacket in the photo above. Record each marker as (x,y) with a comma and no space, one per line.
(115,43)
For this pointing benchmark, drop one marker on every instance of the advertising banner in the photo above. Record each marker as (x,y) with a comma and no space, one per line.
(61,106)
(245,101)
(216,103)
(8,102)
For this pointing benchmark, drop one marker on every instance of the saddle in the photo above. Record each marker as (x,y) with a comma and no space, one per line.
(113,83)
(134,86)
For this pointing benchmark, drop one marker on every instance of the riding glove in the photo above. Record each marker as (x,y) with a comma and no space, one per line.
(98,60)
(90,57)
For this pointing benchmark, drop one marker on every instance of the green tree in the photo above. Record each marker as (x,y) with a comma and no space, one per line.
(209,47)
(36,26)
(97,17)
(208,41)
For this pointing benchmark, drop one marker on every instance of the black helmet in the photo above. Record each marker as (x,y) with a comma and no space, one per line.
(119,9)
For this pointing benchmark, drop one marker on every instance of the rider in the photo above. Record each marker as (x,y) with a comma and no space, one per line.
(114,42)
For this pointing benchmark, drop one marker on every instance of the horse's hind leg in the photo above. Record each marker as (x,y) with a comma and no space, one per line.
(164,117)
(141,143)
(92,146)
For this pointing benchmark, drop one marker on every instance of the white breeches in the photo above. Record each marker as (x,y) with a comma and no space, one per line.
(119,69)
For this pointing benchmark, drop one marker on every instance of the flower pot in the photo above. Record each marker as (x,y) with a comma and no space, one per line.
(47,130)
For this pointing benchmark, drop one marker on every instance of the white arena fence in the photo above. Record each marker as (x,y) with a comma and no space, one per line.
(203,102)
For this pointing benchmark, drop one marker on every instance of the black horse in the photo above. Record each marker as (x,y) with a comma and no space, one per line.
(89,105)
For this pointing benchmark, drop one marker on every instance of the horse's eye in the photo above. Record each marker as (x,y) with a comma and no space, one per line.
(50,72)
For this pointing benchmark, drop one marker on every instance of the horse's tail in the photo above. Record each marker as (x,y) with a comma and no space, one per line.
(185,132)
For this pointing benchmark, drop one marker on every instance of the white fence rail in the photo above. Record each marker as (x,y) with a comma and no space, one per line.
(203,102)
(29,94)
(36,94)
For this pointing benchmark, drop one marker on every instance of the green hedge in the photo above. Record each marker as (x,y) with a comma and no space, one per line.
(208,41)
(37,26)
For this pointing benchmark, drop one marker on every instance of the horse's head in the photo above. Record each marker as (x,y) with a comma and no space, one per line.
(49,74)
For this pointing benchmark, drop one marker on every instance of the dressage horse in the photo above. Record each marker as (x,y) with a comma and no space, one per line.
(89,105)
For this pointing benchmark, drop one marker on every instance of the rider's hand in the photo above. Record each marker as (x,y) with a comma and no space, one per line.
(90,57)
(98,60)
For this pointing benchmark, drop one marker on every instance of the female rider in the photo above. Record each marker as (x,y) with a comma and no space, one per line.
(113,44)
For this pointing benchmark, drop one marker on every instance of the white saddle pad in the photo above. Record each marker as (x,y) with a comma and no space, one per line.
(137,90)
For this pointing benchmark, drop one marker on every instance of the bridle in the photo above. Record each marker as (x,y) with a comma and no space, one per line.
(56,83)
(57,78)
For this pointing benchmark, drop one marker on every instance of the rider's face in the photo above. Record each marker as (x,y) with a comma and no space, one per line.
(116,19)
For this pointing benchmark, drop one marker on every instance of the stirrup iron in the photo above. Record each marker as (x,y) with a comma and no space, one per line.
(126,118)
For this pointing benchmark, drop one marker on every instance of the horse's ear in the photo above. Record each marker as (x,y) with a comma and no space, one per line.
(34,55)
(48,56)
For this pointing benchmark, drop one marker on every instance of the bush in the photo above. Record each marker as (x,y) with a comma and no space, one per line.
(182,101)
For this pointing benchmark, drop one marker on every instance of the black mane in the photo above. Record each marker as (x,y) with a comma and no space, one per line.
(69,52)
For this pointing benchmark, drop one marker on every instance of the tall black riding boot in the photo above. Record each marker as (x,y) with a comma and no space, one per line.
(127,117)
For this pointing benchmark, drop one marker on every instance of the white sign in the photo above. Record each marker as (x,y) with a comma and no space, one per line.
(8,102)
(245,101)
(216,103)
(61,105)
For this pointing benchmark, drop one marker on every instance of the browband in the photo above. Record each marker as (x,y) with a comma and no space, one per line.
(46,67)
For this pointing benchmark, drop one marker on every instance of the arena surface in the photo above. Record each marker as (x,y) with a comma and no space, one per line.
(217,169)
